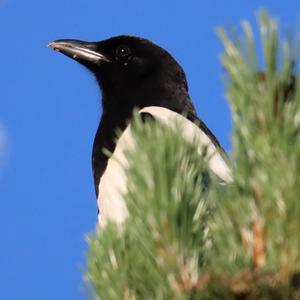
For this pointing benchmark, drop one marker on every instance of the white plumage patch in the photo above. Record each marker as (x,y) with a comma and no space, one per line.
(113,183)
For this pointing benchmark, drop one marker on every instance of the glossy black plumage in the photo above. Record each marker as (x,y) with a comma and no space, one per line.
(131,72)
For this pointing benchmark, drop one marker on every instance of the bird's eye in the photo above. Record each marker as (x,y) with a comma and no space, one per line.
(123,52)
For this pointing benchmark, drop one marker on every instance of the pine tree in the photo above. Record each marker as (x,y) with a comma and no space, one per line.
(190,237)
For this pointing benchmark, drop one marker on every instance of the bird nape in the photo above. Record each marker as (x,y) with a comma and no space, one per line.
(133,72)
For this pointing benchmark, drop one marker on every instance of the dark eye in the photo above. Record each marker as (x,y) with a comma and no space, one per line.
(123,52)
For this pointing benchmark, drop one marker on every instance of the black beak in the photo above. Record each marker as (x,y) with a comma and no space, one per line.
(80,51)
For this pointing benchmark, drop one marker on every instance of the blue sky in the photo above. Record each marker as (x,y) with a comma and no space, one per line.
(49,111)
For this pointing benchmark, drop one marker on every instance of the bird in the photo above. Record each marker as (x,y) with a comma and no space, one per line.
(135,73)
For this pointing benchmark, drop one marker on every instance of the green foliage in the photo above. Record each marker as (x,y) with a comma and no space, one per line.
(162,242)
(239,241)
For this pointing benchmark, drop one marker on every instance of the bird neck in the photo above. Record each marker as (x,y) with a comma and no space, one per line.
(179,100)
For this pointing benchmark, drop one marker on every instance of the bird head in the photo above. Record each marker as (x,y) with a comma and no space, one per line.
(129,70)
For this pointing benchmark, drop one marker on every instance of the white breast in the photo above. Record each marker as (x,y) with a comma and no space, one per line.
(113,183)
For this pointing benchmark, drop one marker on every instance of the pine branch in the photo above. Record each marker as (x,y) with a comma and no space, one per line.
(160,249)
(240,241)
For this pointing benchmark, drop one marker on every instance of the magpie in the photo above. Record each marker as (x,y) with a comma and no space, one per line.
(134,73)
